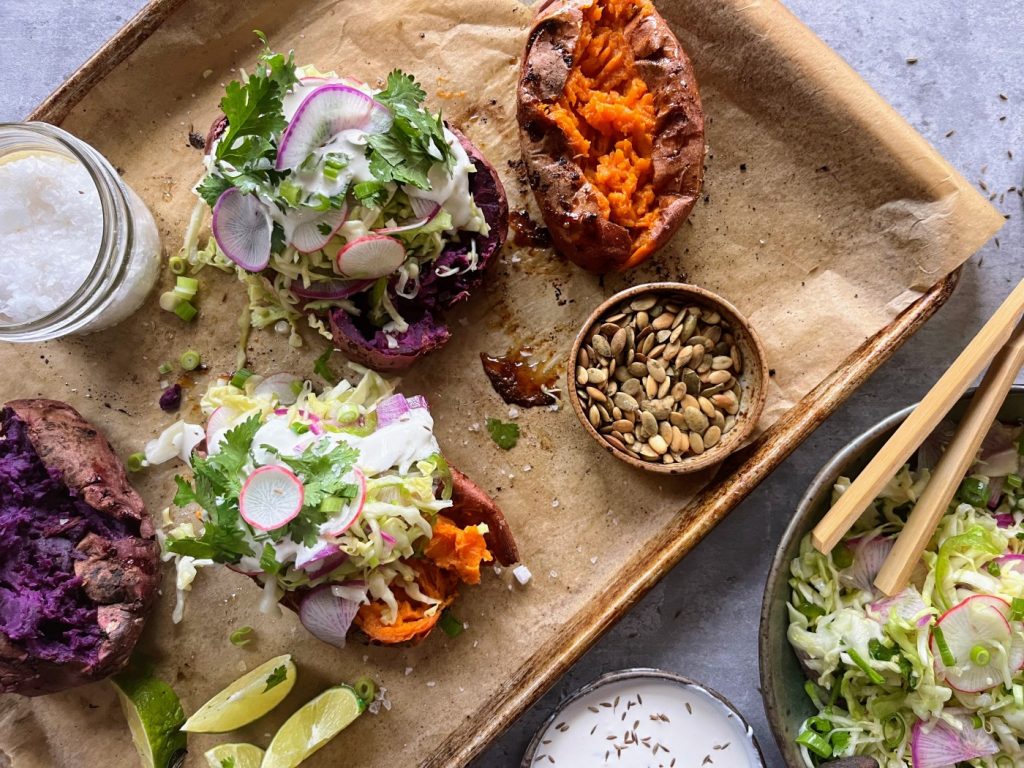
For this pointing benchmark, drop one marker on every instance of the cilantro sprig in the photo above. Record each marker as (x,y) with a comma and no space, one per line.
(276,677)
(505,434)
(217,481)
(414,142)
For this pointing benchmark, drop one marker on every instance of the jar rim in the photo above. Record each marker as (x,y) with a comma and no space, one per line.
(110,264)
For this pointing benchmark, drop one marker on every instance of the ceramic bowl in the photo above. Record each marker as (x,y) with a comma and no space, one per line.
(753,379)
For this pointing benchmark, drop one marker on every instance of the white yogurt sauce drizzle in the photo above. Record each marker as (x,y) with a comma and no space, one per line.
(646,722)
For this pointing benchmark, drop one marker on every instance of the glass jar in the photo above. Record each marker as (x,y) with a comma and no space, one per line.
(104,287)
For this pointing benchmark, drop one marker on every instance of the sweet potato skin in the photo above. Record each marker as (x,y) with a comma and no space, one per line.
(120,576)
(567,199)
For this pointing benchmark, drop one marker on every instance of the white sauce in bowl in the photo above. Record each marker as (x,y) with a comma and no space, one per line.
(645,721)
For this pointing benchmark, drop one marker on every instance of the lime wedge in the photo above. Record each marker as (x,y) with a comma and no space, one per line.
(313,725)
(234,756)
(154,716)
(248,698)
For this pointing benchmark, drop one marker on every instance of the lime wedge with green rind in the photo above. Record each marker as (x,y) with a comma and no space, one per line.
(249,698)
(154,717)
(312,726)
(234,756)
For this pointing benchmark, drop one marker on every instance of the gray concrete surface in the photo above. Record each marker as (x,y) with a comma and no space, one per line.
(701,620)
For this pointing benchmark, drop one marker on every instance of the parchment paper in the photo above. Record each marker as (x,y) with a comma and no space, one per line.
(824,215)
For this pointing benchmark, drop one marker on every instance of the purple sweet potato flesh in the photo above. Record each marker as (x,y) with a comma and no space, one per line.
(369,346)
(75,576)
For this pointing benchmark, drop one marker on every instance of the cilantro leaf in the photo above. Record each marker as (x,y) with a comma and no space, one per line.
(321,369)
(268,560)
(227,762)
(414,143)
(323,469)
(276,677)
(255,112)
(504,434)
(233,451)
(211,188)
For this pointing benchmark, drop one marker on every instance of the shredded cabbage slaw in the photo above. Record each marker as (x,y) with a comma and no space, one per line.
(877,673)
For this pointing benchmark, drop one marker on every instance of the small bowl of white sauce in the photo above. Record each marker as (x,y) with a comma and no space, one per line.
(80,250)
(644,718)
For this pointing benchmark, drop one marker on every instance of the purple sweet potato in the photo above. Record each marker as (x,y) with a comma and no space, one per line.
(79,567)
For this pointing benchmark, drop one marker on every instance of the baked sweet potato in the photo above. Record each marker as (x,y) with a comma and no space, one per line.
(611,128)
(79,567)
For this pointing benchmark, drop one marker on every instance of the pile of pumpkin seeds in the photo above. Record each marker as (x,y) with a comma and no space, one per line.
(659,379)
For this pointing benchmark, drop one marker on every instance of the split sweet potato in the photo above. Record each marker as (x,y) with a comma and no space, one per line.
(611,128)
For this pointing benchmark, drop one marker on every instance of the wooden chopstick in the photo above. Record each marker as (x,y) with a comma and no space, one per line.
(954,462)
(920,423)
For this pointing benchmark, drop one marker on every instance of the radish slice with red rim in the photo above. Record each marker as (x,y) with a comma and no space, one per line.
(978,634)
(216,425)
(345,519)
(315,231)
(323,114)
(941,745)
(327,616)
(334,289)
(1011,563)
(370,257)
(271,497)
(284,385)
(242,228)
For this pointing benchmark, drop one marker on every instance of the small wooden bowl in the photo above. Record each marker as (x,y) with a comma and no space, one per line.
(753,379)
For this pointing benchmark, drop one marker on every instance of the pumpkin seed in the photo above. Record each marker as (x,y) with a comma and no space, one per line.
(737,359)
(696,443)
(595,416)
(608,329)
(581,376)
(597,376)
(643,320)
(712,436)
(719,377)
(648,424)
(584,358)
(657,370)
(626,402)
(632,387)
(692,381)
(601,345)
(596,394)
(658,442)
(721,363)
(695,420)
(618,342)
(663,322)
(650,385)
(665,430)
(622,425)
(664,388)
(706,407)
(642,303)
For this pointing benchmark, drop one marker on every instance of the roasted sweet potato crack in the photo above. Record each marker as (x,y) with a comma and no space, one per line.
(607,115)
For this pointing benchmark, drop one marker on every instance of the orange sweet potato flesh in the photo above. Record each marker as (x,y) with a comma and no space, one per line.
(412,623)
(611,128)
(459,550)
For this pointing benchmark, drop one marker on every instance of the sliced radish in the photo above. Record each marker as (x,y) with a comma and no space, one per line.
(315,555)
(906,605)
(218,423)
(424,217)
(370,257)
(941,745)
(334,289)
(242,228)
(323,114)
(284,385)
(344,520)
(868,556)
(978,634)
(316,228)
(1011,563)
(271,497)
(327,616)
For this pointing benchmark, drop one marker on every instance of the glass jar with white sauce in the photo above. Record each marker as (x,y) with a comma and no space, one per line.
(79,250)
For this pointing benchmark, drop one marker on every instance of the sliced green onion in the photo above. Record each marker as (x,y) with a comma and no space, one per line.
(993,568)
(136,462)
(839,740)
(944,653)
(974,491)
(812,693)
(976,721)
(819,724)
(1017,609)
(177,265)
(1013,481)
(815,743)
(241,376)
(290,191)
(186,286)
(365,688)
(186,311)
(299,428)
(332,504)
(240,636)
(165,368)
(980,655)
(872,674)
(450,625)
(1004,762)
(894,730)
(190,360)
(842,557)
(169,301)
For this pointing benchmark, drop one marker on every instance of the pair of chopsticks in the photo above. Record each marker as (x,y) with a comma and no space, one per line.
(1001,341)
